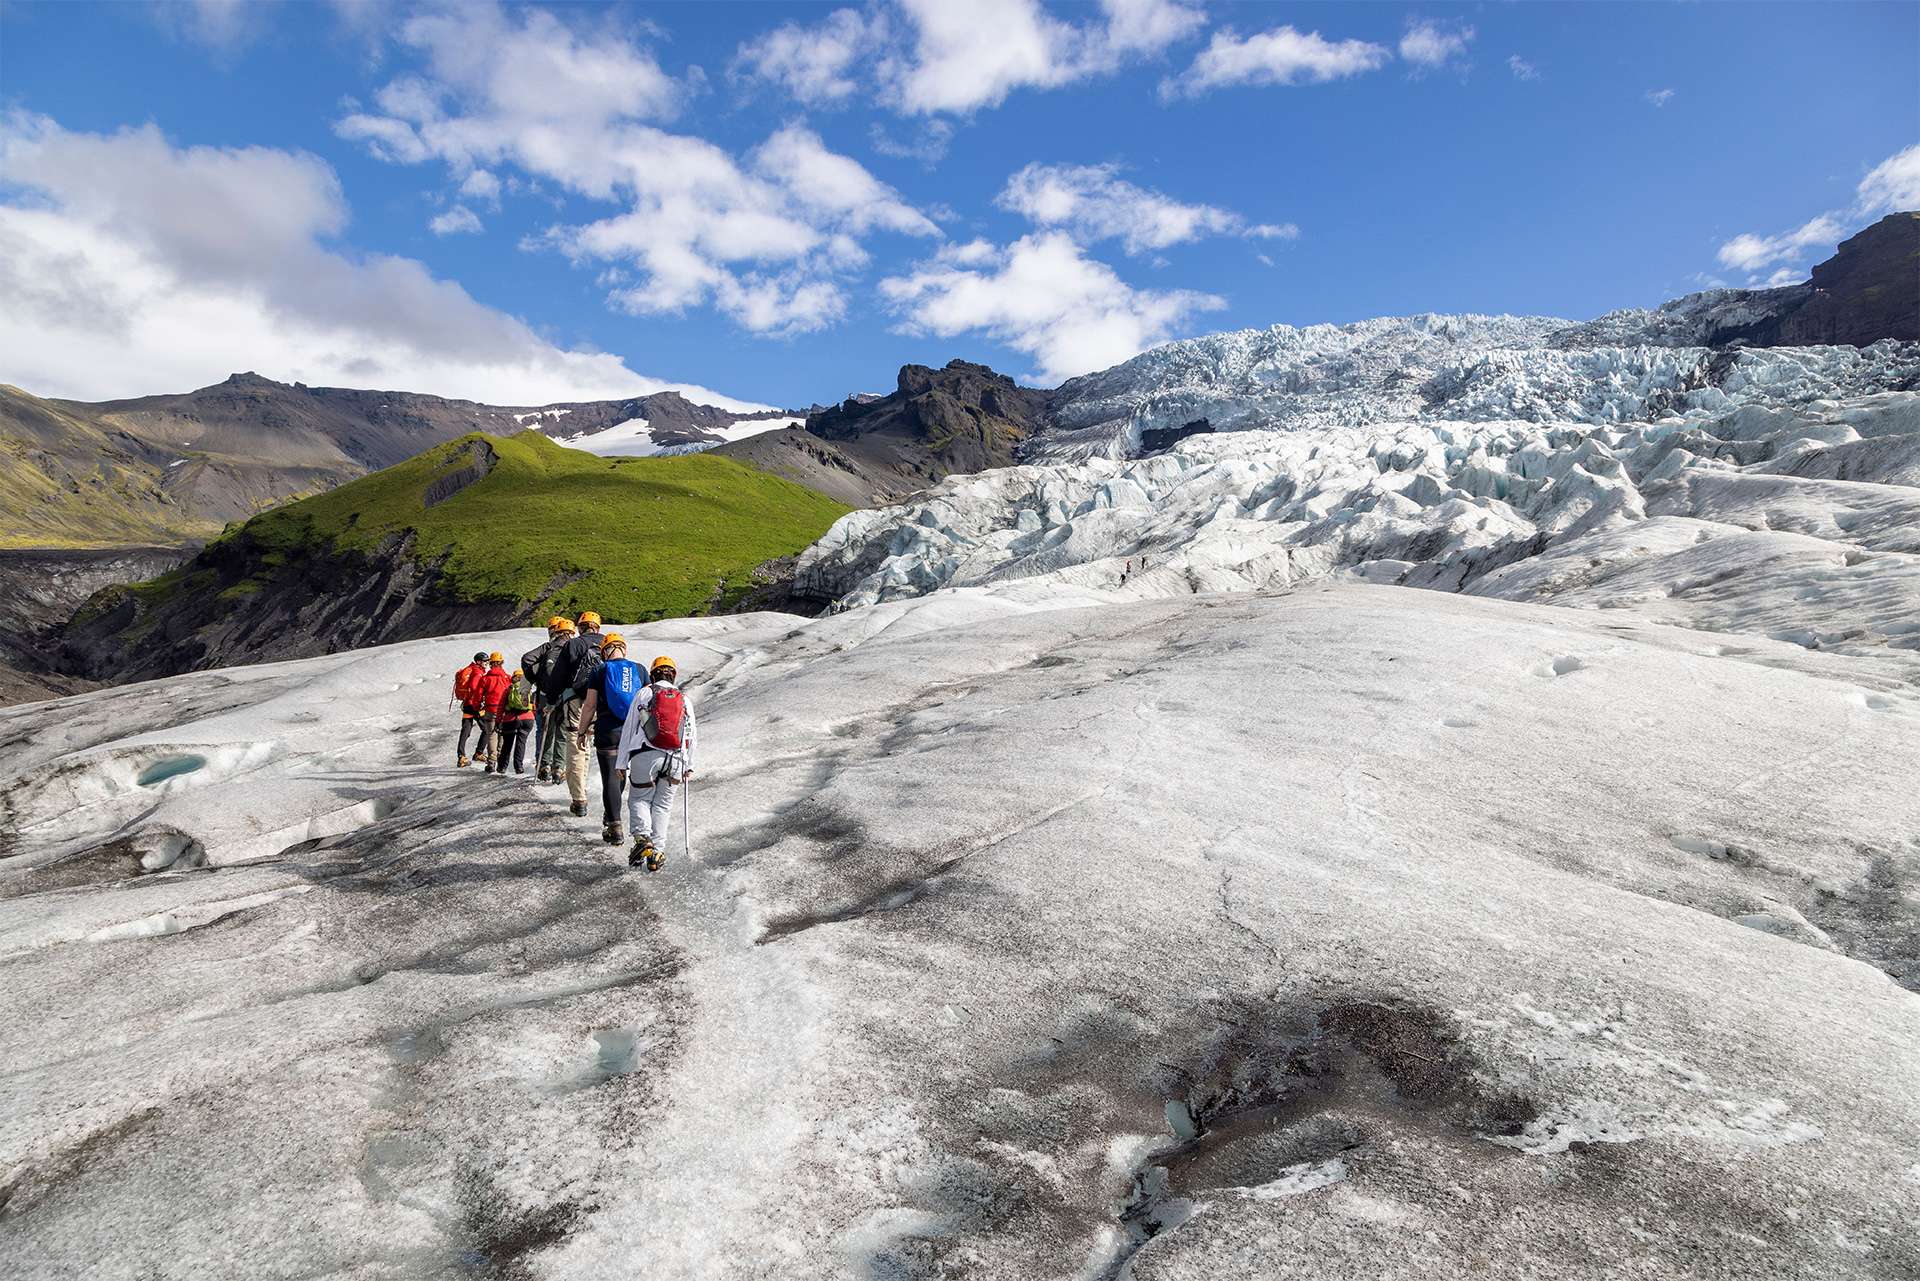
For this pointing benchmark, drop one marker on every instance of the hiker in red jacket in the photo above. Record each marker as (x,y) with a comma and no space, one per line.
(512,723)
(466,692)
(492,691)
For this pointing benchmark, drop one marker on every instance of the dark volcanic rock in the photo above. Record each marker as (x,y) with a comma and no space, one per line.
(1155,439)
(1868,290)
(938,422)
(833,470)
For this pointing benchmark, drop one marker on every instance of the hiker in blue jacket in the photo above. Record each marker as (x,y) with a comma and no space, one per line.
(609,692)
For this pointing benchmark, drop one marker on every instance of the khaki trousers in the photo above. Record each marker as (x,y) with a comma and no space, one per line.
(578,758)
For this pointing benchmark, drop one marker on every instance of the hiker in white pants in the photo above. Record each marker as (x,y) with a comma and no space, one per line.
(655,756)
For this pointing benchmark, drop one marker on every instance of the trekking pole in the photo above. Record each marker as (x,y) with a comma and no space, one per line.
(686,815)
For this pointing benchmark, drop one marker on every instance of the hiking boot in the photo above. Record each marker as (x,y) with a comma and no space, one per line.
(578,809)
(656,858)
(611,833)
(642,849)
(540,776)
(462,763)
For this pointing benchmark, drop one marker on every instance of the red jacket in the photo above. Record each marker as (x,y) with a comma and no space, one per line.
(468,678)
(492,689)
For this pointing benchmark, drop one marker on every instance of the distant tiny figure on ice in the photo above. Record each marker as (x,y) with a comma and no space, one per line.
(655,758)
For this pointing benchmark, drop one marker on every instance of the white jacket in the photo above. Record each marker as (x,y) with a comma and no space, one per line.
(633,734)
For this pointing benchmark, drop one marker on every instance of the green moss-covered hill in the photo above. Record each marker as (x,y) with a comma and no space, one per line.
(480,532)
(564,530)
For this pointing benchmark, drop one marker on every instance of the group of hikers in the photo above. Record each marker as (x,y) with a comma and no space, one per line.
(580,689)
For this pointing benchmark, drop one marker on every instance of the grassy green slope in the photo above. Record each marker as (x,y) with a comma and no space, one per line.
(633,538)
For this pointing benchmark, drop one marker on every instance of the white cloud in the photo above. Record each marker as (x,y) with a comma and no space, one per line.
(814,64)
(835,185)
(218,22)
(1094,203)
(926,57)
(1430,44)
(927,143)
(481,185)
(1893,186)
(1282,56)
(1522,69)
(763,240)
(1044,297)
(455,221)
(227,26)
(973,253)
(391,140)
(1149,26)
(967,56)
(1750,252)
(132,266)
(1784,276)
(1659,97)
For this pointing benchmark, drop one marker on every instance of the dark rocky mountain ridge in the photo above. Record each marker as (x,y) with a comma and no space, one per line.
(179,467)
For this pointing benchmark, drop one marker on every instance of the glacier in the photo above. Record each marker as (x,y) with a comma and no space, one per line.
(1343,928)
(1444,452)
(1627,366)
(1455,816)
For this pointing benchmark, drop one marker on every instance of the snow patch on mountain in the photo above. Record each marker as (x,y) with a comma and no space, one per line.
(634,439)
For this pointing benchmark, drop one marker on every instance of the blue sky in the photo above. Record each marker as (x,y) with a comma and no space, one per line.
(786,202)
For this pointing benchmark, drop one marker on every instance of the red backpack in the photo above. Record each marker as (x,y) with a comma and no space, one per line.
(464,682)
(664,714)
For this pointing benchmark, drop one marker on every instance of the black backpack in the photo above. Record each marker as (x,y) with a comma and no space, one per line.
(585,664)
(533,663)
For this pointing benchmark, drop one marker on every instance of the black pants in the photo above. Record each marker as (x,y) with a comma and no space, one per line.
(468,723)
(611,786)
(513,745)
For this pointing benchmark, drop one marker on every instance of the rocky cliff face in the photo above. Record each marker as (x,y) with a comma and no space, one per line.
(39,591)
(937,422)
(217,613)
(1869,290)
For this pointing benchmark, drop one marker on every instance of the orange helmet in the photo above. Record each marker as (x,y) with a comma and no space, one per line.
(496,657)
(589,619)
(612,640)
